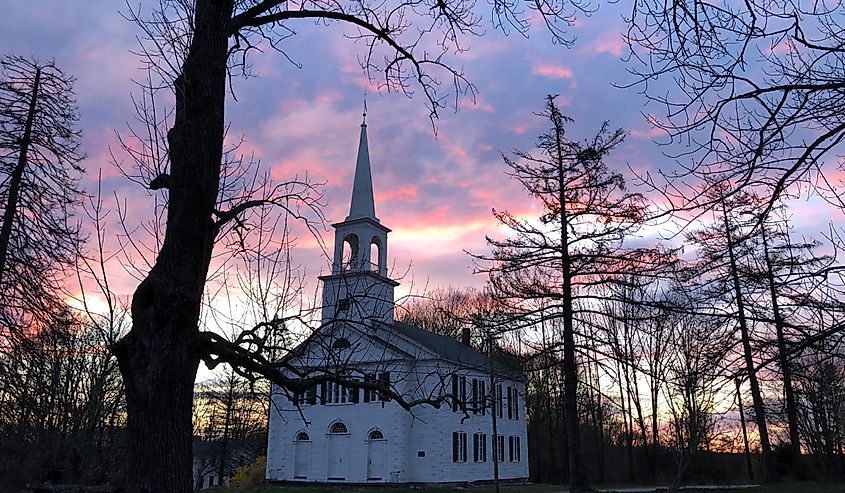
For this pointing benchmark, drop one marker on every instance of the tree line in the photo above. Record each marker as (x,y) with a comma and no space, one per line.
(753,307)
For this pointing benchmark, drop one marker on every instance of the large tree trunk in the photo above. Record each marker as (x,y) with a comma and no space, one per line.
(159,357)
(783,359)
(577,477)
(770,474)
(17,177)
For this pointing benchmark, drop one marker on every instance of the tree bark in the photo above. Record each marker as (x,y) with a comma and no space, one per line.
(577,479)
(744,432)
(783,360)
(17,177)
(159,357)
(769,468)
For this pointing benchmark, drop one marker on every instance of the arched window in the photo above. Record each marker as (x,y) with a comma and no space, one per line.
(350,252)
(338,429)
(341,343)
(302,437)
(376,435)
(375,259)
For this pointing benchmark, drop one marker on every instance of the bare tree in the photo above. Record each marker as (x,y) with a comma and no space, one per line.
(693,379)
(754,90)
(39,174)
(725,246)
(193,47)
(576,245)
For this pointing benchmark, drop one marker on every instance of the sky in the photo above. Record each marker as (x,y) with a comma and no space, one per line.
(435,190)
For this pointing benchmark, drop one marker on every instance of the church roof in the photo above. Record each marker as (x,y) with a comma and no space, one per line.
(450,348)
(363,204)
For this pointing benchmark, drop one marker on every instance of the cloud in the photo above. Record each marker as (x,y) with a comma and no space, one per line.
(551,71)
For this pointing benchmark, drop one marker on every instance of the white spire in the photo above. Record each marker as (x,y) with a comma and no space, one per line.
(363,204)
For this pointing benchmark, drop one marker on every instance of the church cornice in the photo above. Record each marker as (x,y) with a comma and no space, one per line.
(362,220)
(347,274)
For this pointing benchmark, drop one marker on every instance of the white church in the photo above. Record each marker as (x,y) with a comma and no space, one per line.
(337,434)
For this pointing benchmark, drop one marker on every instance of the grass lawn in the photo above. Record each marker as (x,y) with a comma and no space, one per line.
(534,488)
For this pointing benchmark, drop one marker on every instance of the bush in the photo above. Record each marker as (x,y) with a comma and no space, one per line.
(250,474)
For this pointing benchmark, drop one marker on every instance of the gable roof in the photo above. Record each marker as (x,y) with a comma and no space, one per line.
(450,348)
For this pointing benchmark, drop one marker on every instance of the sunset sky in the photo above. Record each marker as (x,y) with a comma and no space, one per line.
(435,191)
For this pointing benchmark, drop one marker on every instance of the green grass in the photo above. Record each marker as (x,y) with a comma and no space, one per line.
(530,488)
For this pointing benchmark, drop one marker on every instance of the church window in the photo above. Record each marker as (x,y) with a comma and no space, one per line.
(302,437)
(376,435)
(383,379)
(337,393)
(375,259)
(459,446)
(343,304)
(339,428)
(341,343)
(513,449)
(479,447)
(350,252)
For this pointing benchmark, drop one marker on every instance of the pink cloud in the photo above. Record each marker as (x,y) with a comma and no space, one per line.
(612,45)
(551,71)
(404,192)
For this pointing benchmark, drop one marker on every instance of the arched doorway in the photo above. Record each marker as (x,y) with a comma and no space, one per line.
(375,455)
(338,451)
(302,455)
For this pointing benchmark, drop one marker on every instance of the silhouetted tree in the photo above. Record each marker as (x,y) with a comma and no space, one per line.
(575,247)
(39,174)
(193,47)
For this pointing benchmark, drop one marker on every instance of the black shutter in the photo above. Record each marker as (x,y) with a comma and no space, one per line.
(483,398)
(454,446)
(454,392)
(510,403)
(515,403)
(484,448)
(354,395)
(474,396)
(323,391)
(475,447)
(312,394)
(368,392)
(385,381)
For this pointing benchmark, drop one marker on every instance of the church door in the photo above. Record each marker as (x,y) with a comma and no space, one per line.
(302,455)
(338,451)
(375,455)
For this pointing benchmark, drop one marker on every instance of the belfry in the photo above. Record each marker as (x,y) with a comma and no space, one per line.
(358,287)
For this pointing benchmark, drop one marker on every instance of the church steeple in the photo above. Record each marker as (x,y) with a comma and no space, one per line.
(363,204)
(358,286)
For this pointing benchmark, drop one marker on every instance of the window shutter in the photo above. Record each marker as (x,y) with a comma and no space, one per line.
(354,395)
(483,398)
(515,403)
(474,396)
(484,448)
(510,403)
(384,378)
(475,447)
(454,392)
(323,391)
(454,446)
(368,392)
(464,393)
(312,395)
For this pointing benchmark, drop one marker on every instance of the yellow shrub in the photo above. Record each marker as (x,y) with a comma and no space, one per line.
(250,474)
